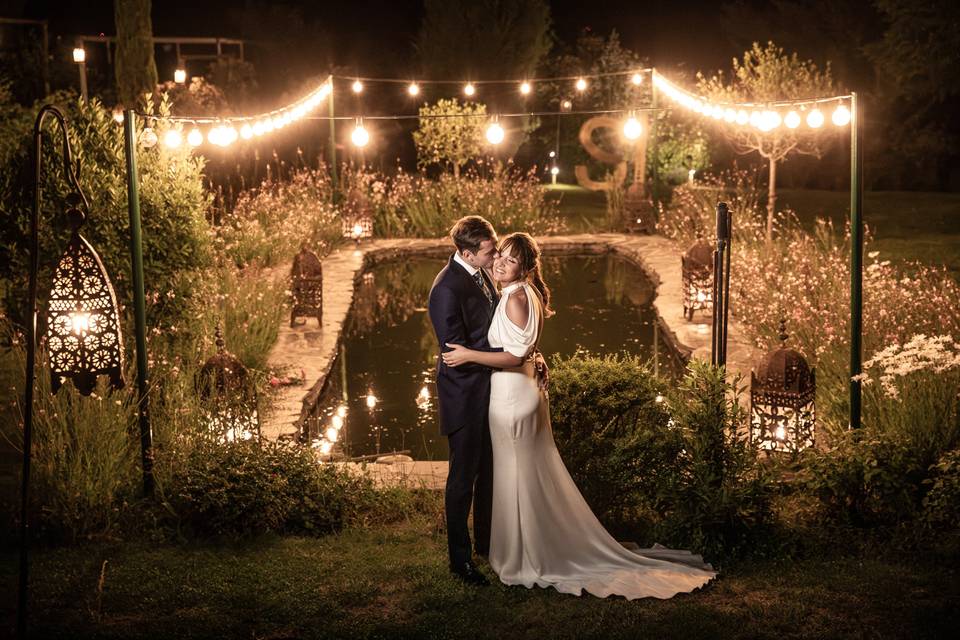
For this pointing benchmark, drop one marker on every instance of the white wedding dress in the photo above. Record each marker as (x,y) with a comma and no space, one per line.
(543,531)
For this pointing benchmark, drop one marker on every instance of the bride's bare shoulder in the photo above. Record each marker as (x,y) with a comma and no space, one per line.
(518,307)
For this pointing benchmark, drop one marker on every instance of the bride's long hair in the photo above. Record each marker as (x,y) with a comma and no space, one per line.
(527,252)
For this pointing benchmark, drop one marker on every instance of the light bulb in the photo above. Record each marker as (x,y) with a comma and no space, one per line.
(172,138)
(755,119)
(815,119)
(180,76)
(792,120)
(424,393)
(325,447)
(632,129)
(79,54)
(636,79)
(581,85)
(841,116)
(780,433)
(413,89)
(495,133)
(371,400)
(552,154)
(772,120)
(195,138)
(80,322)
(357,230)
(148,137)
(246,132)
(729,115)
(337,421)
(469,89)
(342,411)
(214,135)
(742,117)
(332,434)
(357,86)
(525,88)
(118,116)
(554,170)
(360,137)
(566,105)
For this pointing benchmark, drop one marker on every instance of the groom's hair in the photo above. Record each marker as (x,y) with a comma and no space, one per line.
(469,231)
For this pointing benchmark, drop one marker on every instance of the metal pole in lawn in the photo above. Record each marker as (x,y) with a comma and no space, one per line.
(856,262)
(139,302)
(333,142)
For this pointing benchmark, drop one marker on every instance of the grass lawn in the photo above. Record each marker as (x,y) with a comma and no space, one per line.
(905,225)
(392,582)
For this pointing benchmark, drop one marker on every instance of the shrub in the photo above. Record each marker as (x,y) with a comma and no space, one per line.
(941,506)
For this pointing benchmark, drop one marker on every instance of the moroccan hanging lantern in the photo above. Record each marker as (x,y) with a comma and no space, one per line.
(83,323)
(696,267)
(782,400)
(228,395)
(306,286)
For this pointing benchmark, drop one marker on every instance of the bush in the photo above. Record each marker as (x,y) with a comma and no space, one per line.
(941,506)
(242,488)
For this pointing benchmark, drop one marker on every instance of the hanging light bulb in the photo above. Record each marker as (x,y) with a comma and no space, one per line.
(581,85)
(566,105)
(815,119)
(729,115)
(755,119)
(841,116)
(342,411)
(554,170)
(180,76)
(148,137)
(214,135)
(195,138)
(632,128)
(357,86)
(413,89)
(525,88)
(792,120)
(332,434)
(79,54)
(495,133)
(359,136)
(469,89)
(742,117)
(246,132)
(636,79)
(172,138)
(371,400)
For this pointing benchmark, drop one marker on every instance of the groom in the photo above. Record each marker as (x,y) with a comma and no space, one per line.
(462,302)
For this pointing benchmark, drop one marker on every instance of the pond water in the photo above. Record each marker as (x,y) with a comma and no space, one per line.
(382,390)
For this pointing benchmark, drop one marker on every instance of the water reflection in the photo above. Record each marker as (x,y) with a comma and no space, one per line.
(385,395)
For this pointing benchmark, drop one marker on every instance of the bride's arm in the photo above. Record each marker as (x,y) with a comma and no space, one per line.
(518,310)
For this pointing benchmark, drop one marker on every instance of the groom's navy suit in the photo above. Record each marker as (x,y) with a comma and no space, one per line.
(461,314)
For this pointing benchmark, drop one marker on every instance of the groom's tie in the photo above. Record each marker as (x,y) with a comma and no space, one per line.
(482,283)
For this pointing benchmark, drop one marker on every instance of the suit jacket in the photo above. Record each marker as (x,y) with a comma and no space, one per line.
(461,314)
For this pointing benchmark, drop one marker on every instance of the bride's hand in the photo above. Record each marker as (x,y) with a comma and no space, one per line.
(458,356)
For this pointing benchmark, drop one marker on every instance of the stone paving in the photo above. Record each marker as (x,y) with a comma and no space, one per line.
(314,348)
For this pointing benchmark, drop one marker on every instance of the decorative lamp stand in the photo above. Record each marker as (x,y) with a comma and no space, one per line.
(696,269)
(306,286)
(228,395)
(782,401)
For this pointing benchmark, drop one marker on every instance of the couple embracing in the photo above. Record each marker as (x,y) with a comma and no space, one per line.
(488,306)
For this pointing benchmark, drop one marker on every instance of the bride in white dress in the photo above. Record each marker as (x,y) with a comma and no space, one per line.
(543,531)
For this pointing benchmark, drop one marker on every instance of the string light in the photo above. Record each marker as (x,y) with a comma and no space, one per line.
(413,89)
(495,133)
(792,120)
(469,89)
(525,88)
(180,76)
(581,85)
(841,116)
(172,138)
(636,79)
(632,128)
(148,137)
(360,137)
(554,170)
(566,105)
(357,86)
(195,138)
(815,119)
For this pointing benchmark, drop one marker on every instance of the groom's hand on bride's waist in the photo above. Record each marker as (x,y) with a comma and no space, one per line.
(543,372)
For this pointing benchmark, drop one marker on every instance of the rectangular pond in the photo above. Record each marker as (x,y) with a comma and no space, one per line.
(380,396)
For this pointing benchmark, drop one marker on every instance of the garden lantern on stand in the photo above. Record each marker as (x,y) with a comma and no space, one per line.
(306,286)
(228,395)
(696,266)
(782,400)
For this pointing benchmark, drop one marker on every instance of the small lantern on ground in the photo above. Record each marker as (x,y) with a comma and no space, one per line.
(83,324)
(697,276)
(357,222)
(782,407)
(306,286)
(228,395)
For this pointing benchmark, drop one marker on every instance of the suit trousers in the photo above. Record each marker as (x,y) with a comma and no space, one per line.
(469,480)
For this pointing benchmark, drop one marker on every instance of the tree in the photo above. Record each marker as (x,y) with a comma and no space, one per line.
(483,39)
(450,133)
(135,69)
(768,74)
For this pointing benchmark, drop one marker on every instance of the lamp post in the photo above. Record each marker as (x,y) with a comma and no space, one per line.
(80,57)
(83,323)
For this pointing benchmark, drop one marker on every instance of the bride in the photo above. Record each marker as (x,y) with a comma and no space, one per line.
(543,531)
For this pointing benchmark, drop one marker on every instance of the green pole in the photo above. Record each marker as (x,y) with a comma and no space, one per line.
(856,262)
(655,190)
(139,303)
(333,141)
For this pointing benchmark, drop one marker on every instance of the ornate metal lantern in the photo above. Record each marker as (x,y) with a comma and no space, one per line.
(782,407)
(228,395)
(83,324)
(306,285)
(696,266)
(357,221)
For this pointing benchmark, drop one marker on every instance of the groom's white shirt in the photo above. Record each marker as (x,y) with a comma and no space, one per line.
(463,263)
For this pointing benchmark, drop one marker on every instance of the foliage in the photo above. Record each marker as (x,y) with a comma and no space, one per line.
(136,71)
(198,96)
(511,200)
(236,78)
(450,134)
(483,39)
(176,242)
(941,505)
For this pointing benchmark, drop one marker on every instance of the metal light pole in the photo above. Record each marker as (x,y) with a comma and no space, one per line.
(139,302)
(80,57)
(721,287)
(333,141)
(856,262)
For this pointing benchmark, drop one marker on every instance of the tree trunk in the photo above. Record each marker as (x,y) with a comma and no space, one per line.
(136,72)
(771,198)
